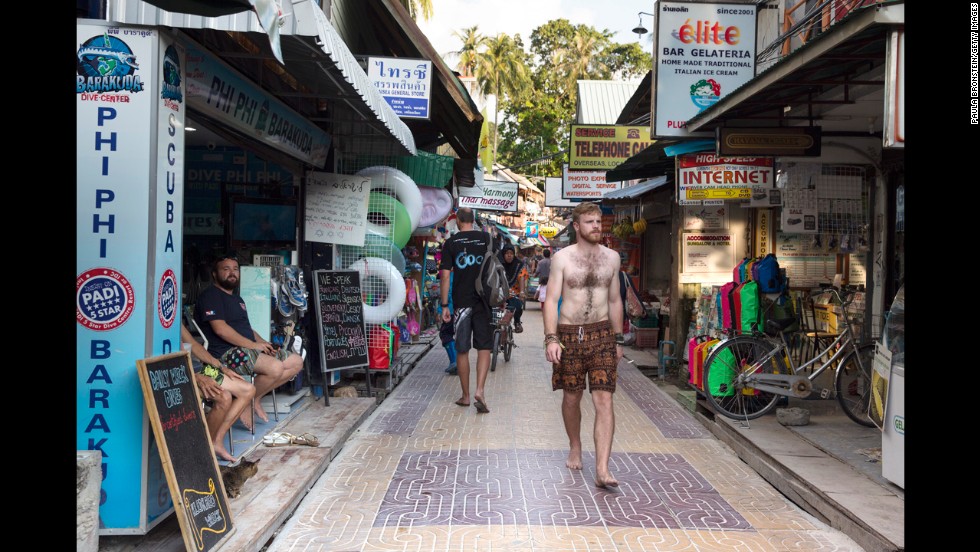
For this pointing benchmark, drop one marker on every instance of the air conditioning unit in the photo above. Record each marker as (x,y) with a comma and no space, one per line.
(267,260)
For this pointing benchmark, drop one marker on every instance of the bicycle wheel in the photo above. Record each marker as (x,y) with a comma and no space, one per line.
(509,343)
(725,383)
(494,350)
(852,382)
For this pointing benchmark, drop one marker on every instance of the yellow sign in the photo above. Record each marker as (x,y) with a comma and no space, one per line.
(719,193)
(547,232)
(605,147)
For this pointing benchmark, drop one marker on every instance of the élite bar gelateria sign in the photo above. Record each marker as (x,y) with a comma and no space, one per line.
(795,141)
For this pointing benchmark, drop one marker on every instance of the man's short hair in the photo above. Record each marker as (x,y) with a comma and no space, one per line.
(584,209)
(465,214)
(546,253)
(233,255)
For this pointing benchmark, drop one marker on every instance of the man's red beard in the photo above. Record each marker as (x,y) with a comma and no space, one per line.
(592,238)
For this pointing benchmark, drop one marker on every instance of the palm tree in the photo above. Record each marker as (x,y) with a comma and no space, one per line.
(501,70)
(582,60)
(415,7)
(469,52)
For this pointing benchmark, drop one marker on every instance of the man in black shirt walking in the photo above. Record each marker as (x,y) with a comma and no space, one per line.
(462,255)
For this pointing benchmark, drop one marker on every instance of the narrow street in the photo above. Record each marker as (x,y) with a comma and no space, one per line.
(422,473)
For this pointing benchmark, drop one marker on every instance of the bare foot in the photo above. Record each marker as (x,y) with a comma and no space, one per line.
(606,482)
(246,420)
(260,412)
(223,454)
(574,461)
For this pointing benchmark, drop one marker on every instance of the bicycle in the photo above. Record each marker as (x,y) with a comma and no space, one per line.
(745,375)
(503,336)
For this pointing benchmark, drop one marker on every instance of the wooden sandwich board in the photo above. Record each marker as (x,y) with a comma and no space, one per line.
(186,451)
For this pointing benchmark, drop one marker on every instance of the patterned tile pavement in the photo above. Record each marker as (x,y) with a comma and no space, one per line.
(423,474)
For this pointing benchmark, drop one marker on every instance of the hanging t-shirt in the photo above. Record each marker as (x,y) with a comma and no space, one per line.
(463,254)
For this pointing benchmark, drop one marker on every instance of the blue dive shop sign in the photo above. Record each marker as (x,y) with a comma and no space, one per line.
(405,84)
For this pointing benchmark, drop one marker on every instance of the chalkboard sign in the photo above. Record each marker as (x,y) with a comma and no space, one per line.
(340,319)
(186,451)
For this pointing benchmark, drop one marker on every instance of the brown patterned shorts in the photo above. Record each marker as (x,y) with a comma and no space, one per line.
(590,353)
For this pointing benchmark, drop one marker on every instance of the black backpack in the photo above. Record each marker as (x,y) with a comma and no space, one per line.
(491,285)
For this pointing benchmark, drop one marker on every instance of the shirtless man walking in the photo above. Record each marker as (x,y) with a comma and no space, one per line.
(584,342)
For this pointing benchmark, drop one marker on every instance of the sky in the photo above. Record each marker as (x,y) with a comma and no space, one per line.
(523,16)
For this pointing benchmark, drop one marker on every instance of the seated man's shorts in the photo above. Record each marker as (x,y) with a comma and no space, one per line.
(472,328)
(214,373)
(589,354)
(242,360)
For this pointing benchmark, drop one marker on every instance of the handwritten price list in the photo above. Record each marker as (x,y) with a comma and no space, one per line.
(336,208)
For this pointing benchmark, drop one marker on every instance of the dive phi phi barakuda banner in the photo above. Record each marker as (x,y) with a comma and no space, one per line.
(218,91)
(130,112)
(703,52)
(405,84)
(497,195)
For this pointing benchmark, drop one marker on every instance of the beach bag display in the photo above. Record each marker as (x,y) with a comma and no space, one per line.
(695,360)
(380,347)
(751,315)
(722,373)
(735,297)
(767,273)
(738,273)
(727,309)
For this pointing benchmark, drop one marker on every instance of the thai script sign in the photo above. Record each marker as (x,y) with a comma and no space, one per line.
(405,84)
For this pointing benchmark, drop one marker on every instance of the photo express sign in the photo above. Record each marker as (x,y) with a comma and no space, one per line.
(585,185)
(497,196)
(605,147)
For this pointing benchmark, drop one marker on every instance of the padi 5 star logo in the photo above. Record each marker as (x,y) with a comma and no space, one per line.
(106,64)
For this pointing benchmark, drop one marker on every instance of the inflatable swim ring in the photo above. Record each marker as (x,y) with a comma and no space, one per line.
(437,203)
(371,269)
(374,246)
(401,185)
(387,217)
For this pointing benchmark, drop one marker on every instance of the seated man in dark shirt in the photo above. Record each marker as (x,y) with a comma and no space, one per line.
(223,319)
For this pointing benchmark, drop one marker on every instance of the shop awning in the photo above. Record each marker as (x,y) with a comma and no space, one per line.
(837,69)
(636,191)
(651,162)
(326,83)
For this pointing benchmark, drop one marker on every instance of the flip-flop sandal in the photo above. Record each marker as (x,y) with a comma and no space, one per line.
(480,407)
(460,403)
(306,439)
(277,439)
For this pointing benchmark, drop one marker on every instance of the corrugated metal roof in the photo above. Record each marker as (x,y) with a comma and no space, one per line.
(635,191)
(600,102)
